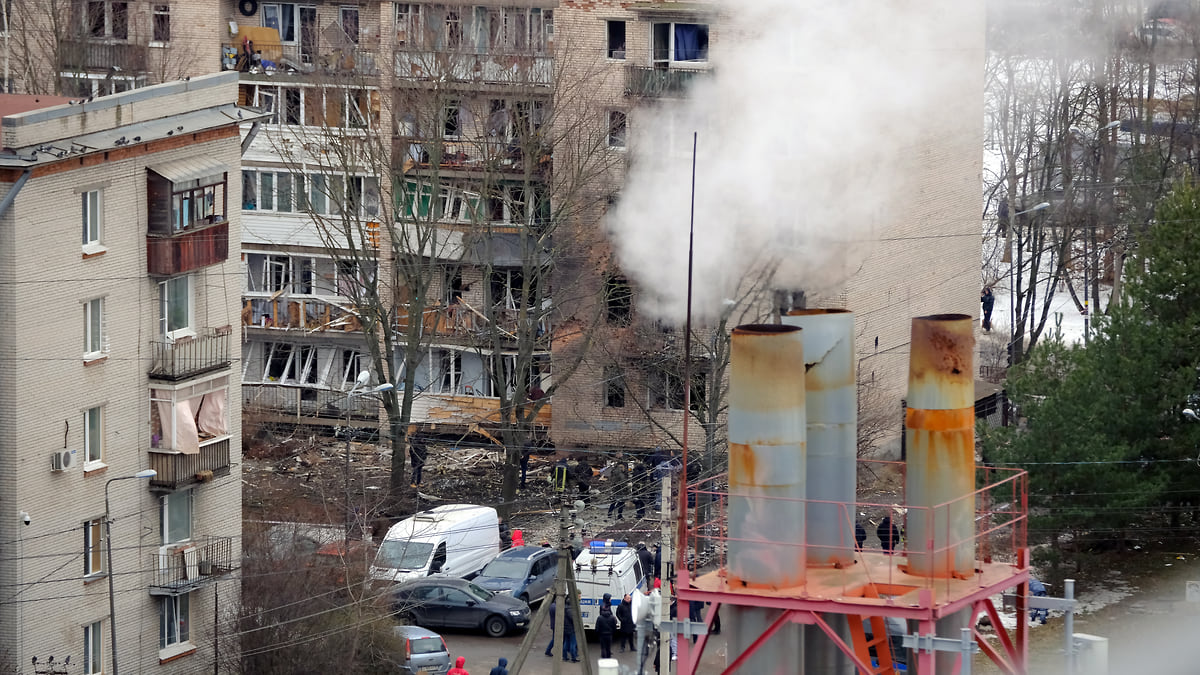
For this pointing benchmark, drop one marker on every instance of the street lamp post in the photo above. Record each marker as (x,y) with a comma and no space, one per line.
(386,386)
(112,595)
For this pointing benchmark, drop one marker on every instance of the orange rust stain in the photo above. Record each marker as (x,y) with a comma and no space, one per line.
(940,420)
(743,464)
(942,349)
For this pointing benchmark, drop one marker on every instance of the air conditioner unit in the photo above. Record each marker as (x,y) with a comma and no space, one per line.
(62,460)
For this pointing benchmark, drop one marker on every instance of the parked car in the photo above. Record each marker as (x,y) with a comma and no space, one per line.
(424,651)
(526,573)
(445,602)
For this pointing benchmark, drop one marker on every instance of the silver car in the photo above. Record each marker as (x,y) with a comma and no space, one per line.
(424,650)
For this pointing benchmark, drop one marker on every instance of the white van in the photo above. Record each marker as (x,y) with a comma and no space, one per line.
(606,566)
(454,539)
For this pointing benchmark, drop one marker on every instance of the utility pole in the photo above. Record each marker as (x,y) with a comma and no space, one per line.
(564,588)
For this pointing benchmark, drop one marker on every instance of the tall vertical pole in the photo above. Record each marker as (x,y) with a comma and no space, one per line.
(681,512)
(112,593)
(664,608)
(1069,626)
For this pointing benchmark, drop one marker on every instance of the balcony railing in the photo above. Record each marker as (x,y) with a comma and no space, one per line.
(473,155)
(300,313)
(307,58)
(97,55)
(301,401)
(668,82)
(176,470)
(175,360)
(168,255)
(187,566)
(508,69)
(464,321)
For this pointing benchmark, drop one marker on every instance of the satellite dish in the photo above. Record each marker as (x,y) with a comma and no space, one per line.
(364,378)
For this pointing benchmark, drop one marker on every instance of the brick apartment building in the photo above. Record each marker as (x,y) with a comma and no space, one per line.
(121,207)
(427,115)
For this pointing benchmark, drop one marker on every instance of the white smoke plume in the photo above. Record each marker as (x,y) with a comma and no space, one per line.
(804,127)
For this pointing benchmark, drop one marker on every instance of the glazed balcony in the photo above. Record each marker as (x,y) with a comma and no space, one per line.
(299,313)
(177,470)
(182,358)
(191,249)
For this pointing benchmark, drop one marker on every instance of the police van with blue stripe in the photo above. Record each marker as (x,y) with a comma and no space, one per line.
(606,566)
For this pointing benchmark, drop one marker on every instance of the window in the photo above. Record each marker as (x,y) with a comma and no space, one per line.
(451,123)
(679,43)
(349,21)
(284,362)
(666,390)
(194,203)
(93,435)
(93,547)
(618,300)
(617,127)
(184,419)
(94,340)
(334,107)
(176,517)
(409,29)
(91,218)
(449,371)
(173,625)
(93,648)
(162,23)
(614,387)
(616,40)
(79,85)
(175,305)
(107,19)
(281,17)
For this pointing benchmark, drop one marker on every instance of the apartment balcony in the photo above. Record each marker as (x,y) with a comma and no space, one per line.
(464,324)
(191,249)
(177,470)
(303,59)
(185,567)
(300,313)
(101,55)
(182,358)
(296,402)
(661,82)
(509,70)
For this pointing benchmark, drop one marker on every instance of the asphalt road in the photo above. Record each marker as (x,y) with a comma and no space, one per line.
(482,652)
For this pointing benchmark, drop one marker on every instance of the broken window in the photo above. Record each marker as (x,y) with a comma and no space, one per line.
(507,288)
(617,126)
(162,23)
(449,377)
(614,387)
(349,22)
(408,25)
(618,300)
(107,19)
(666,390)
(184,419)
(451,122)
(288,363)
(616,40)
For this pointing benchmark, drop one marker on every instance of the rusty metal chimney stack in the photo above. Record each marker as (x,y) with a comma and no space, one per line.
(766,523)
(940,425)
(940,471)
(831,409)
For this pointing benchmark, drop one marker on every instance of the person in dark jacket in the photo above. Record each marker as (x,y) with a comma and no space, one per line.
(626,630)
(646,558)
(657,561)
(989,301)
(606,626)
(888,533)
(860,535)
(570,648)
(417,452)
(501,669)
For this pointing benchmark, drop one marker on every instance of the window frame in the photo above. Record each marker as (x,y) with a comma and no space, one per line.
(108,27)
(174,609)
(168,503)
(615,391)
(93,548)
(409,15)
(93,438)
(95,337)
(160,18)
(93,648)
(92,217)
(610,50)
(165,306)
(617,136)
(670,59)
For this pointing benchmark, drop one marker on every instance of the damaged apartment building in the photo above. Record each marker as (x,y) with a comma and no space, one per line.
(456,160)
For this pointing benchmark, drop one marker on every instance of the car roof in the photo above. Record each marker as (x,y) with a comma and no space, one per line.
(414,632)
(433,581)
(525,552)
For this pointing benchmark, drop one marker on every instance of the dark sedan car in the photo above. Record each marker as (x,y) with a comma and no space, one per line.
(445,602)
(525,572)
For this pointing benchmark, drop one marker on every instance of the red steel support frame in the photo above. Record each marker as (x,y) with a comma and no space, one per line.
(1011,657)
